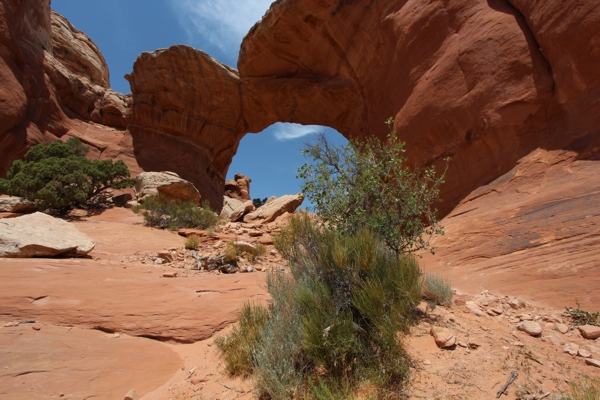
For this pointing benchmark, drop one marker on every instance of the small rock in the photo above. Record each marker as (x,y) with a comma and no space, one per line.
(592,362)
(584,353)
(169,274)
(131,395)
(524,317)
(165,255)
(473,345)
(159,261)
(530,327)
(195,381)
(571,348)
(554,338)
(516,303)
(443,337)
(36,328)
(518,344)
(474,308)
(562,328)
(495,310)
(589,331)
(462,344)
(116,336)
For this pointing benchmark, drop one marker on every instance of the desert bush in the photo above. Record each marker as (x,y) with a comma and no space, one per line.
(232,252)
(58,176)
(258,202)
(192,242)
(582,317)
(337,317)
(238,347)
(261,250)
(161,213)
(369,185)
(436,289)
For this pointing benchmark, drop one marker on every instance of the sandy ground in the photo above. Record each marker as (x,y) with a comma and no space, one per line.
(121,290)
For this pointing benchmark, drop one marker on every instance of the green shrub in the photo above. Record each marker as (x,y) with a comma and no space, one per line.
(58,176)
(337,317)
(259,202)
(192,242)
(238,347)
(582,317)
(369,185)
(161,213)
(436,289)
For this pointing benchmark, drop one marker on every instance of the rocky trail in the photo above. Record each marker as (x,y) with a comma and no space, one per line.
(137,315)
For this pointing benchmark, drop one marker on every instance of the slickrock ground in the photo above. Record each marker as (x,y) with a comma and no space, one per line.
(121,290)
(534,232)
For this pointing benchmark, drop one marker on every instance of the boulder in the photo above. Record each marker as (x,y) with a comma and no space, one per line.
(40,235)
(229,206)
(19,205)
(589,331)
(167,184)
(238,187)
(274,208)
(242,210)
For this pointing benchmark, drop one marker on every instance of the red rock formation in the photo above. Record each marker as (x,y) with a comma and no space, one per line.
(483,81)
(238,187)
(532,233)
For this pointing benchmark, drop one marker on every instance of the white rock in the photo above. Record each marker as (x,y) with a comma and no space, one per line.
(40,235)
(168,184)
(11,204)
(274,208)
(530,327)
(562,328)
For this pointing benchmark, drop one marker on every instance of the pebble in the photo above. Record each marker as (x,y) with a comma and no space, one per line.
(11,324)
(516,303)
(530,327)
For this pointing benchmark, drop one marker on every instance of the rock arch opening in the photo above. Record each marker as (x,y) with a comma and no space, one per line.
(272,157)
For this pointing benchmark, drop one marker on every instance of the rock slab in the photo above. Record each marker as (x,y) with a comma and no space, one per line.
(40,235)
(444,339)
(275,208)
(167,184)
(589,331)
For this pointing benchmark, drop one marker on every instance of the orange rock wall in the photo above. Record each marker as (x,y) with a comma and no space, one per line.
(485,82)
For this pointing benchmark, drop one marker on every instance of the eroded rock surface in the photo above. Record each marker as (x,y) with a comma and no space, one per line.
(275,207)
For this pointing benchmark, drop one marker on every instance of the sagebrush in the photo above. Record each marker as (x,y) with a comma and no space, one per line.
(336,318)
(161,213)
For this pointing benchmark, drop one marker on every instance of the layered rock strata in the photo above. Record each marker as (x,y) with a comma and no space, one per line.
(484,82)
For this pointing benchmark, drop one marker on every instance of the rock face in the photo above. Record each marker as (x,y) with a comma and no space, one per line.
(167,184)
(534,229)
(275,207)
(40,235)
(238,187)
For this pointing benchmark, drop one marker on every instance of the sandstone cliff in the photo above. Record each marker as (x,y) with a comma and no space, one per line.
(485,82)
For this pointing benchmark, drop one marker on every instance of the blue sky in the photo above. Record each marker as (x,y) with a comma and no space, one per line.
(123,29)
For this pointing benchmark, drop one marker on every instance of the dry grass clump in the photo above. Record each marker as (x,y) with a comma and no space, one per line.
(586,389)
(192,242)
(436,289)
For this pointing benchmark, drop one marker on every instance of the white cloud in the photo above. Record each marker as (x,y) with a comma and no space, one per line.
(288,131)
(223,23)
